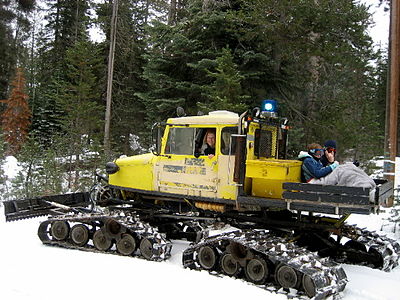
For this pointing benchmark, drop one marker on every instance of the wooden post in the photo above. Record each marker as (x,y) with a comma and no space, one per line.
(391,134)
(107,148)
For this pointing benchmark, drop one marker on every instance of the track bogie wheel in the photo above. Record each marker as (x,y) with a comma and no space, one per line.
(146,248)
(60,230)
(308,286)
(256,270)
(101,195)
(239,252)
(79,234)
(207,257)
(378,258)
(356,245)
(113,228)
(229,265)
(286,277)
(126,245)
(101,242)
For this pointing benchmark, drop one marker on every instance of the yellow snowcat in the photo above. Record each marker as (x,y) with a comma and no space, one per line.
(284,239)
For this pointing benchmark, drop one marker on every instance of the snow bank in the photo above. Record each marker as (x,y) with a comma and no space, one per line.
(11,167)
(31,270)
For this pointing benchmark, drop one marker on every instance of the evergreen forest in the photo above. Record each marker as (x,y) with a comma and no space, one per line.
(315,57)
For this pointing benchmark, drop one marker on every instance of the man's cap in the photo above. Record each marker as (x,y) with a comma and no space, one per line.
(330,144)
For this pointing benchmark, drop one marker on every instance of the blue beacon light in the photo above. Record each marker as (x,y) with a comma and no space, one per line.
(269,108)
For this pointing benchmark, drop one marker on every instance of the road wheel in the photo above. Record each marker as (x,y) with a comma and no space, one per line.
(146,248)
(229,265)
(100,241)
(207,257)
(308,286)
(79,234)
(59,230)
(286,276)
(126,245)
(257,270)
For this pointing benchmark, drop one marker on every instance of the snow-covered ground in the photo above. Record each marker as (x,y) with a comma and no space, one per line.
(31,270)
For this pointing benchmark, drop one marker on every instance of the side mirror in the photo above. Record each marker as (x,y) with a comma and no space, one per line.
(156,135)
(180,112)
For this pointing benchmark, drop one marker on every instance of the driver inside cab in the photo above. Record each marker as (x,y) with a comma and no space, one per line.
(208,147)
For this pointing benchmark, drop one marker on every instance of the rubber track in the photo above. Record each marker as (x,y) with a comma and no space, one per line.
(389,249)
(131,222)
(329,277)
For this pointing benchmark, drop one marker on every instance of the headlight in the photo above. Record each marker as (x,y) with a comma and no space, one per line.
(111,167)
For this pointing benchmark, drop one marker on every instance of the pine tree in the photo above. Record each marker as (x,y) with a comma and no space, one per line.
(16,117)
(80,93)
(79,100)
(67,23)
(225,91)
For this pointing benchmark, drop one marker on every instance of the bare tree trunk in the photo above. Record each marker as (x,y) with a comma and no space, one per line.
(56,33)
(28,179)
(76,20)
(70,171)
(33,65)
(110,79)
(147,12)
(311,108)
(126,146)
(172,13)
(77,168)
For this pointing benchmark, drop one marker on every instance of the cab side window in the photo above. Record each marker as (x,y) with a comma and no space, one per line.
(180,141)
(205,141)
(228,144)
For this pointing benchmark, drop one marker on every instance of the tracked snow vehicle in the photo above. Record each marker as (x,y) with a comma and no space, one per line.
(176,191)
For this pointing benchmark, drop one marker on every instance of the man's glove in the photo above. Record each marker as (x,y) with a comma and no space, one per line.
(334,165)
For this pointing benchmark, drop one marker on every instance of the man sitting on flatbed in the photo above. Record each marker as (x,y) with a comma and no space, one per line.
(346,175)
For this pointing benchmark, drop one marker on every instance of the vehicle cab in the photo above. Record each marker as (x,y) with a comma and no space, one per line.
(181,166)
(248,159)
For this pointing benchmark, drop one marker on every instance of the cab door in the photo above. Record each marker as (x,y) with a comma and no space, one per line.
(227,188)
(181,170)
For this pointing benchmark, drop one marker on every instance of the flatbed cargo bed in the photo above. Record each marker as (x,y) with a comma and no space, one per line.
(330,199)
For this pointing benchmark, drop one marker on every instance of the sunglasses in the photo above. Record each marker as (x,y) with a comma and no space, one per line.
(330,150)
